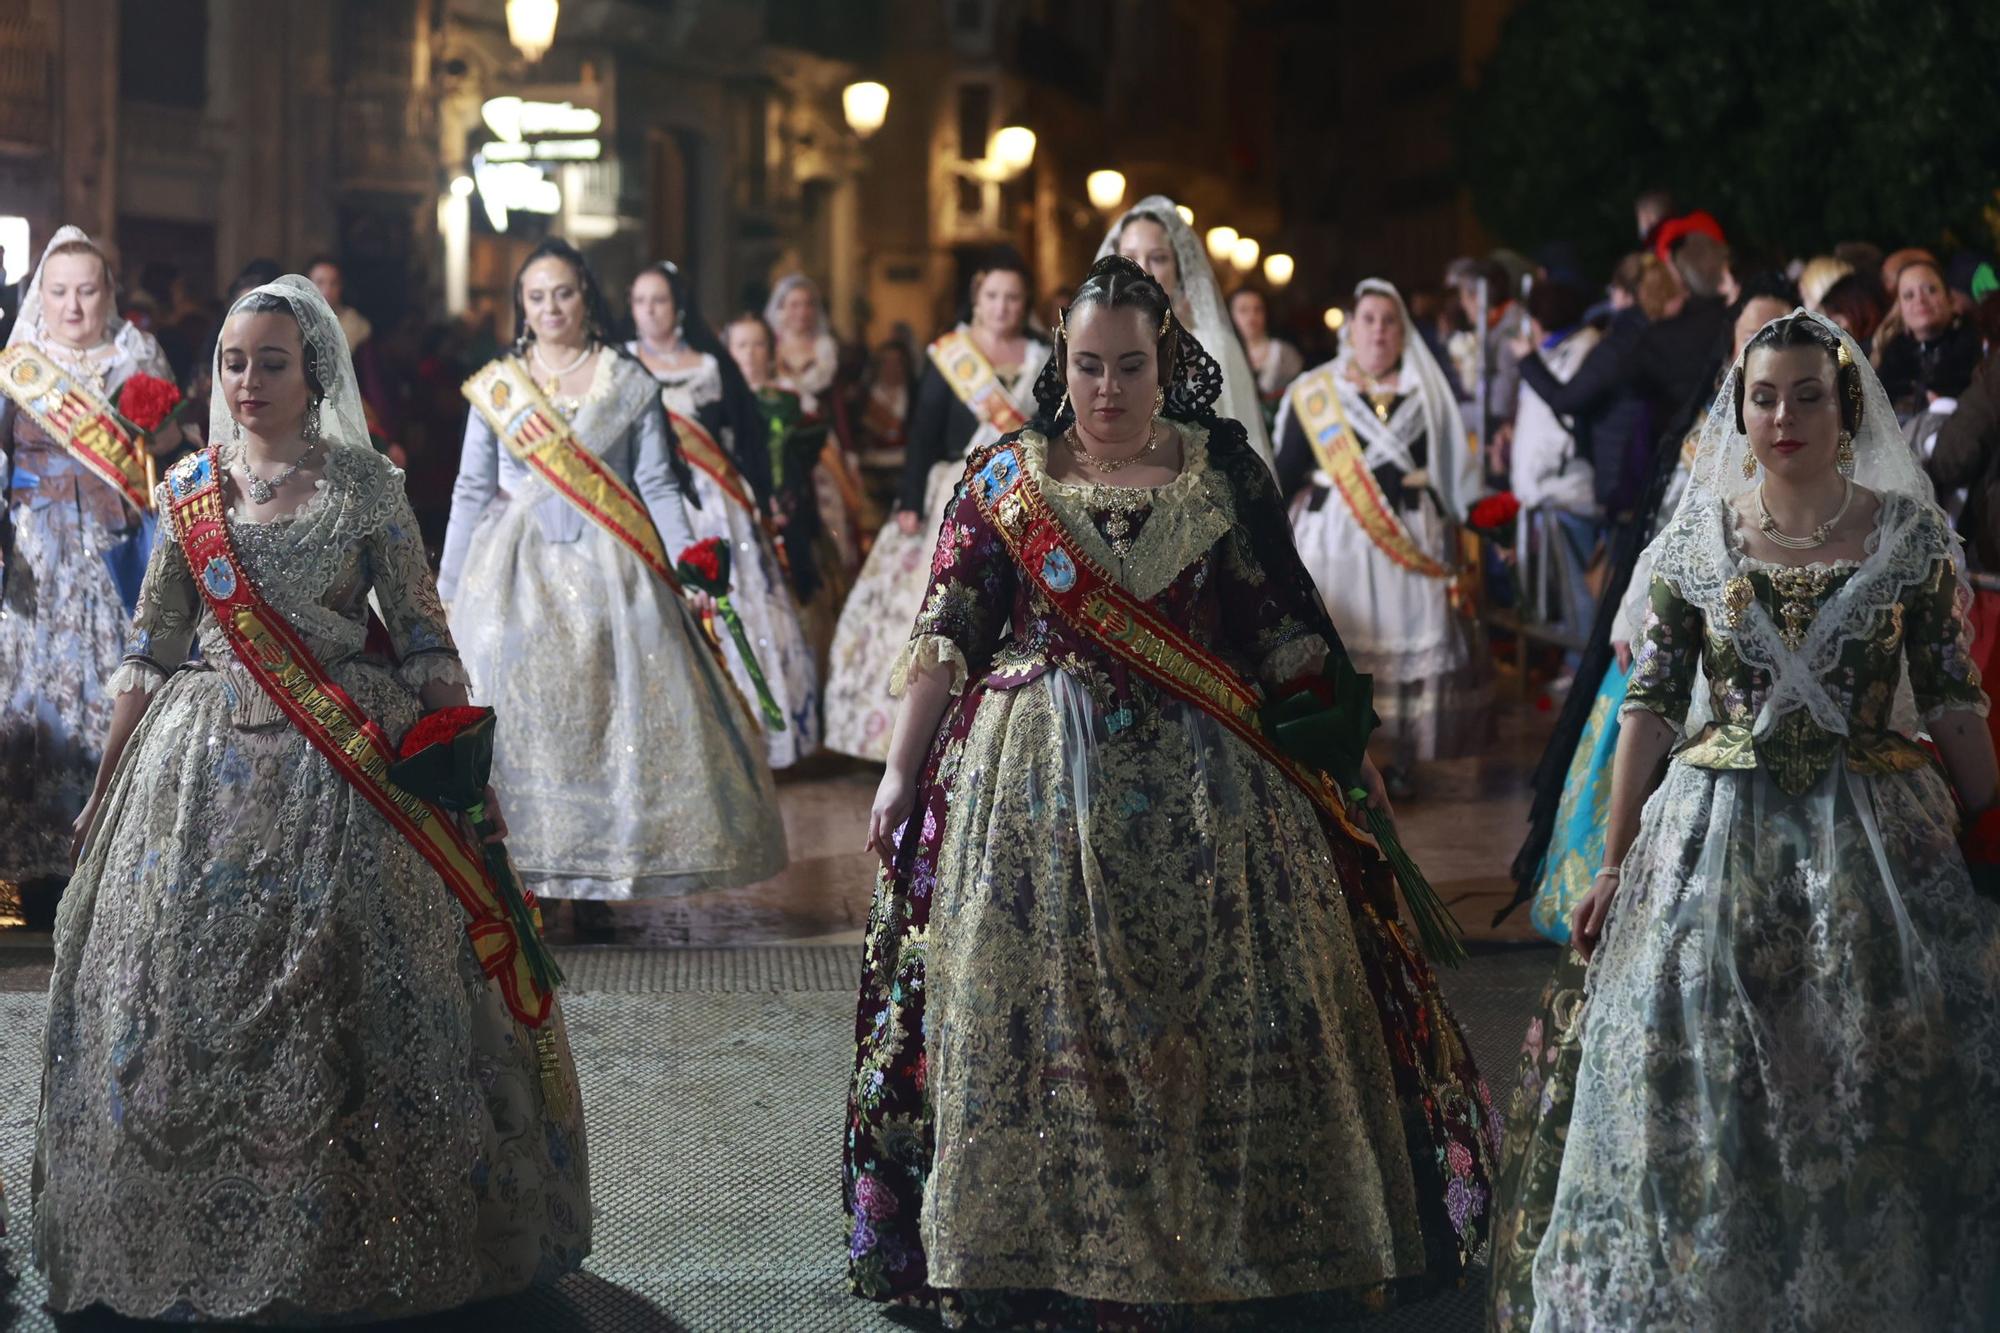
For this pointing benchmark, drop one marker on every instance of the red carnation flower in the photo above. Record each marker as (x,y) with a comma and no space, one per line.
(706,565)
(437,728)
(147,401)
(1495,512)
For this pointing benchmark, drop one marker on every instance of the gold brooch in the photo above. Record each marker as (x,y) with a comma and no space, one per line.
(1737,595)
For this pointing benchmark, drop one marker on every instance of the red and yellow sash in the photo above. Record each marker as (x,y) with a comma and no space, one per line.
(1101,610)
(700,449)
(504,394)
(274,655)
(970,375)
(1316,399)
(77,419)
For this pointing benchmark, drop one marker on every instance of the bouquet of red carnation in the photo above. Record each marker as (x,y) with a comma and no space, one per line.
(1981,844)
(1325,721)
(146,403)
(447,759)
(1493,517)
(705,567)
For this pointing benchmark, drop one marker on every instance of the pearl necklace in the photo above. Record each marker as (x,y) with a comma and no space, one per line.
(1103,466)
(556,376)
(1820,534)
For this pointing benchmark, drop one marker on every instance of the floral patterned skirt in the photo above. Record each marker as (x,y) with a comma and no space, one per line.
(1789,1055)
(875,625)
(1136,1051)
(62,633)
(276,1086)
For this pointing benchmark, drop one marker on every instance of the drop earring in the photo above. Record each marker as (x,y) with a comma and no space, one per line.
(309,429)
(235,429)
(1844,456)
(1159,402)
(1749,465)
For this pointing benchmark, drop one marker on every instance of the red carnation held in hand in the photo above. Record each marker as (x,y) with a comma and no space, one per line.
(438,728)
(1495,511)
(147,400)
(703,563)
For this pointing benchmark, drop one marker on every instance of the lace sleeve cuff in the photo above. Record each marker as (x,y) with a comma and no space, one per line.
(1292,660)
(135,673)
(433,668)
(1976,704)
(923,653)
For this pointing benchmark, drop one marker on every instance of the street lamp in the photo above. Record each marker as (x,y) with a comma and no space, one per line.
(1334,317)
(1221,244)
(531,26)
(866,106)
(1012,150)
(462,187)
(1106,189)
(1243,255)
(1187,214)
(1278,269)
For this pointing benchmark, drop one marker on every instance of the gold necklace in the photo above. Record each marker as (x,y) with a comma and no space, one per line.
(1104,466)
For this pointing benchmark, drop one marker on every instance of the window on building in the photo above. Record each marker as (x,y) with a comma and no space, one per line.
(163,52)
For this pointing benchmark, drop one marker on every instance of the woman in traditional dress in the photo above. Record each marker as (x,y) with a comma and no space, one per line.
(1139,1038)
(277,1086)
(1153,235)
(634,766)
(1768,1107)
(797,443)
(882,419)
(1372,450)
(805,360)
(73,544)
(719,431)
(1275,362)
(978,387)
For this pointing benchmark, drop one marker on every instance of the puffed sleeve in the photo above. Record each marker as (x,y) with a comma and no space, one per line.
(1937,638)
(654,478)
(478,482)
(163,622)
(1664,655)
(964,616)
(408,599)
(1271,609)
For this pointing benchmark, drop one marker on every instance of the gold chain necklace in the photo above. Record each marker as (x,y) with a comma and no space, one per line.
(1104,466)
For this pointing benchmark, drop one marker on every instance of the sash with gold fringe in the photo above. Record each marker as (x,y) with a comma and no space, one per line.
(970,375)
(1101,610)
(1316,399)
(513,405)
(77,419)
(700,449)
(335,725)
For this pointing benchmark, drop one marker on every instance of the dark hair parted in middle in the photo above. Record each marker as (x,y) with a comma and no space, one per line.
(596,311)
(1117,283)
(1802,330)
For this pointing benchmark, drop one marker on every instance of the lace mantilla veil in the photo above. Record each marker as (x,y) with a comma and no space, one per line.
(1191,394)
(1457,486)
(342,423)
(1202,296)
(1697,552)
(127,337)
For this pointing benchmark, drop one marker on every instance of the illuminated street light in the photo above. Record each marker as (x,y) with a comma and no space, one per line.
(1012,150)
(1187,214)
(1278,269)
(866,106)
(1244,254)
(1335,317)
(531,26)
(462,187)
(1106,189)
(1221,244)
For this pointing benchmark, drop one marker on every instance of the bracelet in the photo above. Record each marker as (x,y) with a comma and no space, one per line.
(1613,872)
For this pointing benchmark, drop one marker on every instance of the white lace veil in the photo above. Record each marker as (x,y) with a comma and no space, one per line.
(1207,315)
(341,421)
(1454,465)
(823,328)
(1696,551)
(127,337)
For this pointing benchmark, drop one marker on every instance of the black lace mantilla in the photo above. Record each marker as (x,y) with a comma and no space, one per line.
(1191,394)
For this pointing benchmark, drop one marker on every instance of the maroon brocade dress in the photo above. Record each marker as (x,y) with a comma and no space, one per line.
(1139,1036)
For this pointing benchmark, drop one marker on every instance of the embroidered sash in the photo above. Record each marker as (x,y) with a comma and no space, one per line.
(77,419)
(538,435)
(1316,398)
(1100,609)
(700,449)
(281,664)
(970,375)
